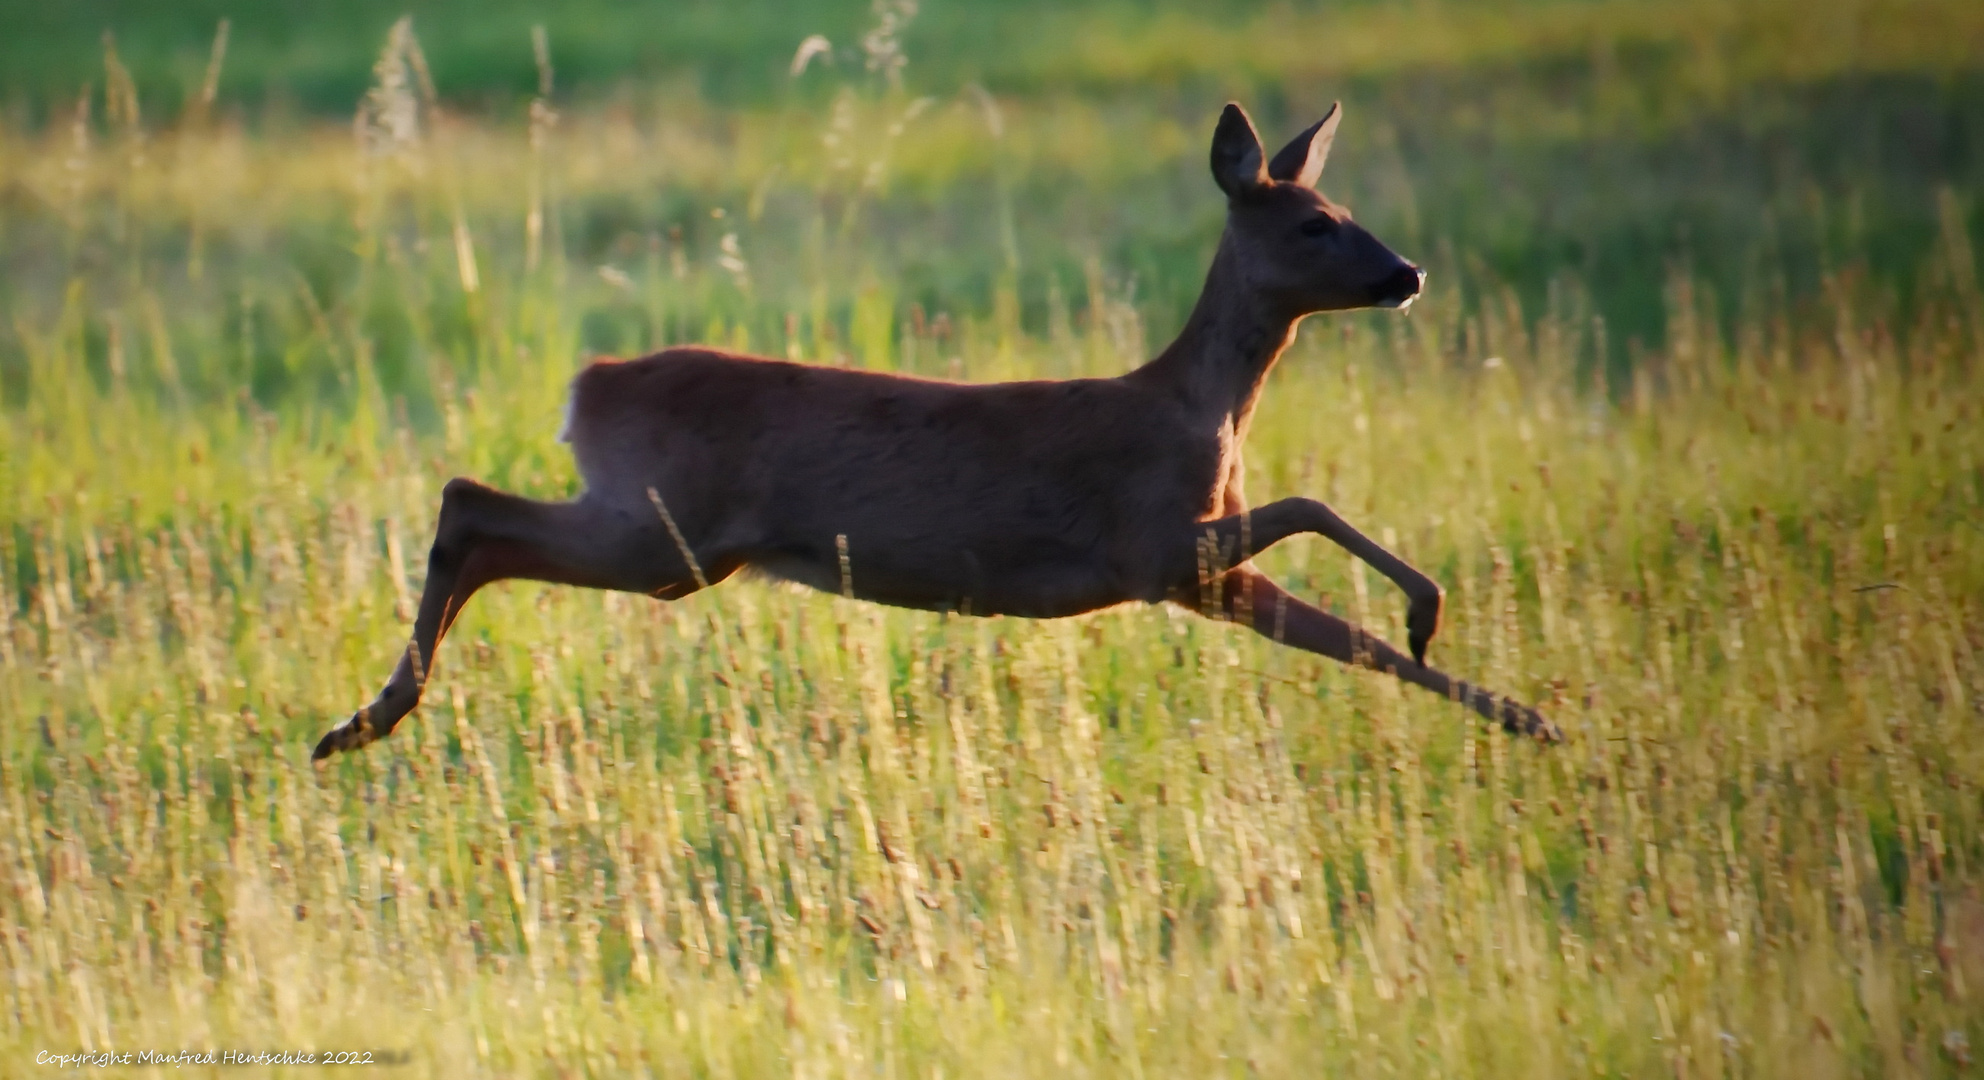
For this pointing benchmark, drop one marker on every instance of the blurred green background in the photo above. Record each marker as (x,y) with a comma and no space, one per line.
(1604,148)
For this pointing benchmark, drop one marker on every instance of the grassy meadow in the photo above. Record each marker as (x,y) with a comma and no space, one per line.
(1690,424)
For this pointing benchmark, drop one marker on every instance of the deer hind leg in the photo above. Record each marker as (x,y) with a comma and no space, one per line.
(1250,596)
(484,535)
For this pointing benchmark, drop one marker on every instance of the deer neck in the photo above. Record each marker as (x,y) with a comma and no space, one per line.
(1222,356)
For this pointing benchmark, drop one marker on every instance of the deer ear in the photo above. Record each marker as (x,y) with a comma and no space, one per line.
(1301,161)
(1237,154)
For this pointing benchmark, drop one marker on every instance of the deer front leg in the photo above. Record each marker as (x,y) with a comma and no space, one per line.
(1244,535)
(1271,611)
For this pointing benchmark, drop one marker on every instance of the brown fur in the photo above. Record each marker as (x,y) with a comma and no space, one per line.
(1036,499)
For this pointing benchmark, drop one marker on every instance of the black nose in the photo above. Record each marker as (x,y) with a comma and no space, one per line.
(1401,285)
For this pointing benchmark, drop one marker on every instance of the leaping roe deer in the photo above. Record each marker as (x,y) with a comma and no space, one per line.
(1039,499)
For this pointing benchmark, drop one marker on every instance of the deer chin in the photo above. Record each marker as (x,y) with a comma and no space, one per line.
(1395,303)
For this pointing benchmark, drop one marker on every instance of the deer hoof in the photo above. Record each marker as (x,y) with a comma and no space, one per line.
(1422,621)
(1528,721)
(350,735)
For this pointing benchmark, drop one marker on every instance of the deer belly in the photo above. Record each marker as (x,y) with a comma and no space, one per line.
(1001,578)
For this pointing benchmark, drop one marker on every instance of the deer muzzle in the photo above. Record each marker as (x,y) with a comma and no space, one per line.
(1400,288)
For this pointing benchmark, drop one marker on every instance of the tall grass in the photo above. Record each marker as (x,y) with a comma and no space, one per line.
(765,831)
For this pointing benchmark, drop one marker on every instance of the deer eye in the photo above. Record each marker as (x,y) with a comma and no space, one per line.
(1318,226)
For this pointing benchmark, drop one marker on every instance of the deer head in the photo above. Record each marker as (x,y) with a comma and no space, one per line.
(1293,246)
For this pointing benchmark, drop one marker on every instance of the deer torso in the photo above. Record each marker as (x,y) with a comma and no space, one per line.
(1028,498)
